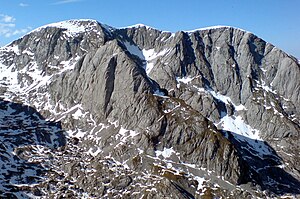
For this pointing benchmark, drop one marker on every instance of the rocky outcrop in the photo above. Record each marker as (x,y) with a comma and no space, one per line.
(26,139)
(150,114)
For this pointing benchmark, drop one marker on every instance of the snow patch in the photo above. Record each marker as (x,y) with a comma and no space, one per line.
(166,153)
(238,126)
(150,55)
(72,27)
(200,181)
(240,107)
(78,133)
(134,50)
(159,93)
(184,80)
(222,98)
(244,133)
(146,55)
(265,87)
(69,64)
(78,114)
(124,134)
(226,100)
(14,49)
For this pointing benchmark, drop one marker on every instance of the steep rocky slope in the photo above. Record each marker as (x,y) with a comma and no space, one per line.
(91,111)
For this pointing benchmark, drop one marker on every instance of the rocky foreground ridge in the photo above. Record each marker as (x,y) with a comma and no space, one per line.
(91,111)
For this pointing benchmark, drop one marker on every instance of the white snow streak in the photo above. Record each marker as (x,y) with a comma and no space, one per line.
(216,95)
(124,134)
(184,80)
(225,99)
(238,126)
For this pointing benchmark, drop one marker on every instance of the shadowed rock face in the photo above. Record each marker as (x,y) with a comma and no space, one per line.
(138,112)
(27,141)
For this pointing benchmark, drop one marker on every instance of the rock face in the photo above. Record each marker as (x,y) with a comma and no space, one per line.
(90,111)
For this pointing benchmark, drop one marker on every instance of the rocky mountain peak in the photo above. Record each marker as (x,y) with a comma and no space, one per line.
(138,112)
(74,28)
(139,25)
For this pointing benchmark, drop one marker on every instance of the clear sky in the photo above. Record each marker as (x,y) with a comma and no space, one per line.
(276,21)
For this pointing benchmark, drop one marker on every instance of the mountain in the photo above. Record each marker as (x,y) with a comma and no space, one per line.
(92,111)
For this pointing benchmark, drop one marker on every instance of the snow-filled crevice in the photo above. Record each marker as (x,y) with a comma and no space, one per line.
(241,131)
(148,57)
(234,122)
(247,139)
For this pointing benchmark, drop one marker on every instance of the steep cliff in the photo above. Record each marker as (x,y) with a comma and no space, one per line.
(91,111)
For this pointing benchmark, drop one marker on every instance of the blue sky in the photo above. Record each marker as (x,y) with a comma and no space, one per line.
(276,21)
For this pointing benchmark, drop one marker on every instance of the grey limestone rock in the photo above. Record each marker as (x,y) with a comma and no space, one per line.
(152,114)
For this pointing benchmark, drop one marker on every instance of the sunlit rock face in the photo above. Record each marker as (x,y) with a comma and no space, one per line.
(92,111)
